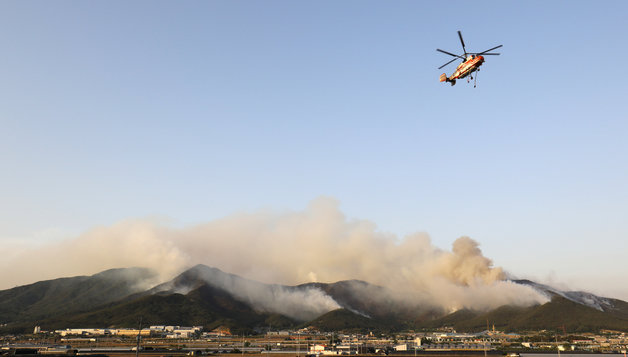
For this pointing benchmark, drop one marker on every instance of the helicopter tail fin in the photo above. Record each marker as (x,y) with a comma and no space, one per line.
(443,78)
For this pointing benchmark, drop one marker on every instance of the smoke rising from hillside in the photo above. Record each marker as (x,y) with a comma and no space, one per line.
(317,244)
(300,304)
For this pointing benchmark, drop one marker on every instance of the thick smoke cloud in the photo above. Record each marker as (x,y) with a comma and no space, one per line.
(317,244)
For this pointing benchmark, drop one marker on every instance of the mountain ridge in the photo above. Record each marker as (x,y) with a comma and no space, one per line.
(209,297)
(70,295)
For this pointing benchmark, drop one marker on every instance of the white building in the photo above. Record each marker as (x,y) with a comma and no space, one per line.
(84,332)
(402,347)
(176,331)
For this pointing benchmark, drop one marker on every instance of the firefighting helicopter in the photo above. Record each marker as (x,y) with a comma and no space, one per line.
(471,62)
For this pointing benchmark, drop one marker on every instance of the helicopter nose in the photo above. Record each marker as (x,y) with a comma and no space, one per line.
(481,59)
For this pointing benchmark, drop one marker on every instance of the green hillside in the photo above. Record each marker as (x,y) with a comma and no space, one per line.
(345,320)
(204,306)
(116,298)
(557,313)
(49,298)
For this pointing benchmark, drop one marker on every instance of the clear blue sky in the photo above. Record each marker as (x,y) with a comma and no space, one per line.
(194,110)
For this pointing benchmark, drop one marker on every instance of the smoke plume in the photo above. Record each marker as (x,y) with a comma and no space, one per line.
(316,244)
(299,303)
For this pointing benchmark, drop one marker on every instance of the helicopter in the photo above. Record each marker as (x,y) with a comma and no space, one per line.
(471,62)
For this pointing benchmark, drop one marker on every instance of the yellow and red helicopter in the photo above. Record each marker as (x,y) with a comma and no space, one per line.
(471,62)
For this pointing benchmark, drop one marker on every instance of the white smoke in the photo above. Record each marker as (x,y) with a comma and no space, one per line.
(300,304)
(319,243)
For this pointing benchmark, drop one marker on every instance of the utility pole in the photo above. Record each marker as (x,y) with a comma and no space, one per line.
(139,337)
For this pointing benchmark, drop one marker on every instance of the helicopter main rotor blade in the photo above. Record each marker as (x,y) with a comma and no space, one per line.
(494,54)
(496,47)
(462,41)
(449,53)
(447,63)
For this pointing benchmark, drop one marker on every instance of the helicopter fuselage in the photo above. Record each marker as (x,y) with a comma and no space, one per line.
(470,65)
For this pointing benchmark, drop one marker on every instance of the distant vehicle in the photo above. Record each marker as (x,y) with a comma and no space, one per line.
(471,62)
